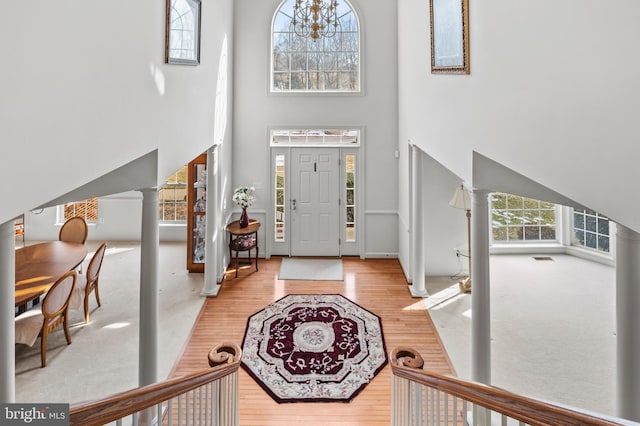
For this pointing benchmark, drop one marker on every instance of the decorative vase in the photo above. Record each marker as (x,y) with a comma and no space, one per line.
(244,218)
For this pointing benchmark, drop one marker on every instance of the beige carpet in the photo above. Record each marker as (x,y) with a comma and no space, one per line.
(552,328)
(103,356)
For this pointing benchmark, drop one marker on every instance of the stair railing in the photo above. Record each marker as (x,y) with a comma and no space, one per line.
(209,397)
(423,398)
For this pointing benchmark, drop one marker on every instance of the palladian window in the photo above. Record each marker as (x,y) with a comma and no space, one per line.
(308,61)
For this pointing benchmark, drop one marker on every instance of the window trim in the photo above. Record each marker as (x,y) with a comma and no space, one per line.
(60,218)
(361,61)
(524,242)
(561,245)
(598,216)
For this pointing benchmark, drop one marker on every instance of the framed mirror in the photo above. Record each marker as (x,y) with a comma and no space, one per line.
(449,36)
(182,36)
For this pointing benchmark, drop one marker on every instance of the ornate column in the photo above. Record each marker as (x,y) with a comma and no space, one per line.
(480,300)
(149,248)
(417,287)
(7,313)
(627,320)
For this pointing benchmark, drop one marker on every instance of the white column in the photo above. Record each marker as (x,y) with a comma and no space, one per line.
(7,313)
(628,320)
(149,248)
(480,300)
(417,287)
(211,255)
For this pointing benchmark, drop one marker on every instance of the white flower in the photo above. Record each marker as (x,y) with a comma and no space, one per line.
(243,196)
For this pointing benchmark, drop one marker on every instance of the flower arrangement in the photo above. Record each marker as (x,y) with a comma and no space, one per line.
(243,196)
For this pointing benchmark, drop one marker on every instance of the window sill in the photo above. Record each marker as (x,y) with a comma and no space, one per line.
(173,225)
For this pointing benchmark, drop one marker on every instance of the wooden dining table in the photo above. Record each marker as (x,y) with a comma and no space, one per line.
(38,266)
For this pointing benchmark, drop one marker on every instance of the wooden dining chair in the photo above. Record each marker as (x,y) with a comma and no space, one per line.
(74,230)
(88,282)
(42,320)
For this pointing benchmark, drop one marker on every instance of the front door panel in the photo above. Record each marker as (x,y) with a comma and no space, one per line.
(315,205)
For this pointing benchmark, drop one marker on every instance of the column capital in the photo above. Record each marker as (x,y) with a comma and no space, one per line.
(149,189)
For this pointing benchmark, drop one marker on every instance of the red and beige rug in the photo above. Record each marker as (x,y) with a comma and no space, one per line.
(313,348)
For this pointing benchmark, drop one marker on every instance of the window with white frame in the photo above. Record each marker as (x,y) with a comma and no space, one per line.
(325,64)
(86,209)
(516,218)
(315,137)
(172,198)
(280,193)
(591,230)
(350,197)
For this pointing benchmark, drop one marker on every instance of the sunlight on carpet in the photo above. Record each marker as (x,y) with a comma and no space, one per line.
(311,269)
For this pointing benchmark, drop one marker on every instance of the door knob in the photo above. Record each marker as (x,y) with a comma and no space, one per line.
(293,204)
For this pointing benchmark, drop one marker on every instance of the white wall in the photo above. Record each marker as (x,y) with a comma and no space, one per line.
(256,111)
(120,220)
(85,90)
(445,227)
(544,99)
(552,94)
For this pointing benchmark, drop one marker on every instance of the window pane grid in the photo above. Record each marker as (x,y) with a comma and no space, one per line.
(516,218)
(315,137)
(350,197)
(86,209)
(172,198)
(280,197)
(591,230)
(300,64)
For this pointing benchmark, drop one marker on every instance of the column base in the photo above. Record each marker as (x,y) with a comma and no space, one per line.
(418,293)
(211,292)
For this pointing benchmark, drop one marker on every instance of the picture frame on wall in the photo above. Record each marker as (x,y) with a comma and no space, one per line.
(182,35)
(449,36)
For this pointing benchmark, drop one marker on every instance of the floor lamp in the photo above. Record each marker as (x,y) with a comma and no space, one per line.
(461,200)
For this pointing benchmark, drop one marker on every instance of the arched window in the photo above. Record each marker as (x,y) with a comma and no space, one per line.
(324,64)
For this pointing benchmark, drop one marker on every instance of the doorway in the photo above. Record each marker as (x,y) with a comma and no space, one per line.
(315,193)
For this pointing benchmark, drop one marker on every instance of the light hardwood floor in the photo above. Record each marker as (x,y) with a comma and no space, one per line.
(377,285)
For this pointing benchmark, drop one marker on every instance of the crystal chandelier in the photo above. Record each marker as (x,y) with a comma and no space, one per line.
(315,18)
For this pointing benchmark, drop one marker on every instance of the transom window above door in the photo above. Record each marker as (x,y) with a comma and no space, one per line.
(315,137)
(326,63)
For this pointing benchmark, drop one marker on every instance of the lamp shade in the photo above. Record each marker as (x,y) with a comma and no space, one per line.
(461,199)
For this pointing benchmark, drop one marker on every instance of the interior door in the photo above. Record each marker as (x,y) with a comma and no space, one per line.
(314,204)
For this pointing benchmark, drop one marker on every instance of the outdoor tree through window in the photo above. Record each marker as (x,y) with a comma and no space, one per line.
(516,218)
(327,64)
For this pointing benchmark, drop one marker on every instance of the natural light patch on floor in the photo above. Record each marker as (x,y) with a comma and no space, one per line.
(443,297)
(117,250)
(418,306)
(117,325)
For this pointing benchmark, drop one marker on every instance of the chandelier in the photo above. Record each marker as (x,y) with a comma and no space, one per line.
(315,18)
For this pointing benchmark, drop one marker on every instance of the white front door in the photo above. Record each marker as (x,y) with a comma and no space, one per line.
(315,205)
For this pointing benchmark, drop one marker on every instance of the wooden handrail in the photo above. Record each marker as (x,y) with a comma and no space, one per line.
(224,359)
(406,363)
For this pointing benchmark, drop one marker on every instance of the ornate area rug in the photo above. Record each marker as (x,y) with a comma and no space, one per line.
(313,348)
